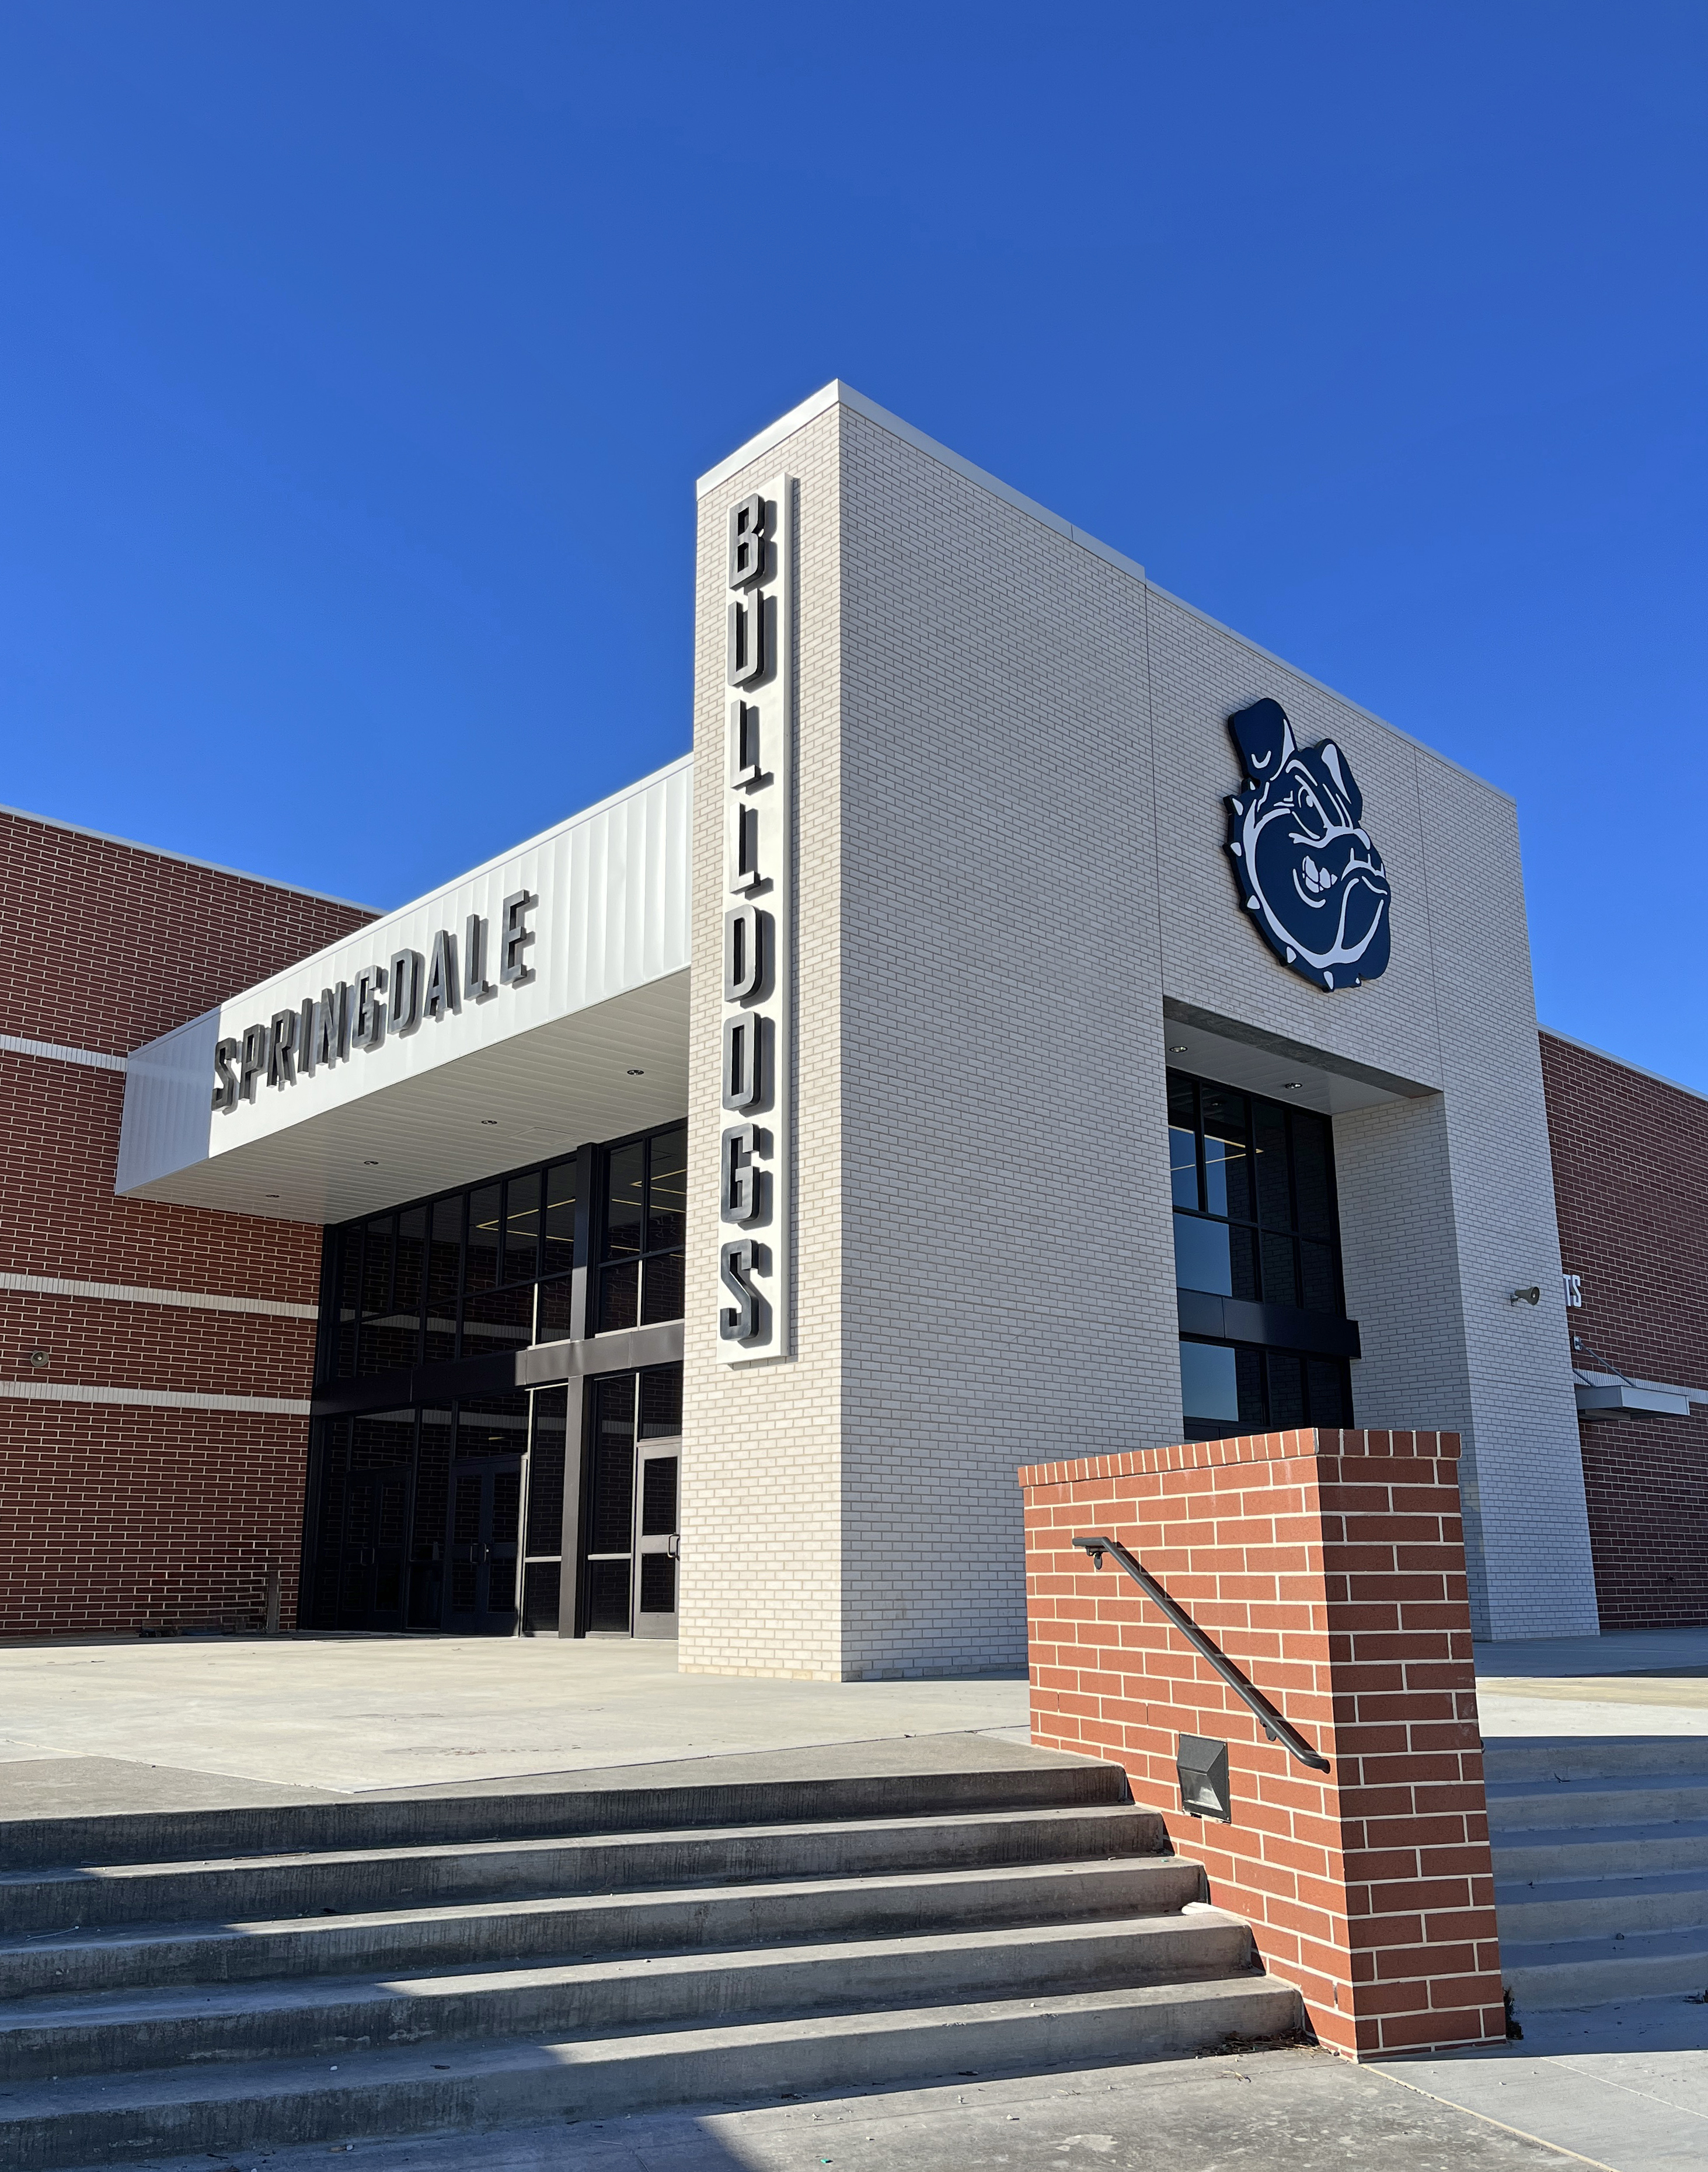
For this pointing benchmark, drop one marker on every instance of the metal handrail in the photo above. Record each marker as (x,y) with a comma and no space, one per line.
(1273,1726)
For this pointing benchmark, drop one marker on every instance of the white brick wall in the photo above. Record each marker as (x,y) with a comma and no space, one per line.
(762,1480)
(1012,768)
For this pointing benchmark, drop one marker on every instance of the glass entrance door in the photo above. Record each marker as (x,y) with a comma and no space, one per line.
(364,1485)
(485,1525)
(656,1541)
(629,1523)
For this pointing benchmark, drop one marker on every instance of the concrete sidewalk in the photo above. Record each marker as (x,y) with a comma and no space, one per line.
(1635,1682)
(1297,2110)
(199,1722)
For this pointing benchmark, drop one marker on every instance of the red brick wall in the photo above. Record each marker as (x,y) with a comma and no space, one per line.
(127,1519)
(1630,1179)
(1329,1567)
(116,1517)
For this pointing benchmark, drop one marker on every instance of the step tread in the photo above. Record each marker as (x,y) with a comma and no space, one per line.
(659,1838)
(1631,1885)
(1510,1838)
(1634,1946)
(640,1804)
(1635,1784)
(127,2008)
(417,2067)
(1161,1869)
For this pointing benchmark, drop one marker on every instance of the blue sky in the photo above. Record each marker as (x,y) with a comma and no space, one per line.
(358,360)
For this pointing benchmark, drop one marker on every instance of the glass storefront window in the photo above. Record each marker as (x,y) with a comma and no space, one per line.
(1263,1227)
(1202,1259)
(522,1227)
(645,1223)
(491,1268)
(1228,1388)
(559,1257)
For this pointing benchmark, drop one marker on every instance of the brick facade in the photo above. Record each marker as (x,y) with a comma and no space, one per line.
(1630,1177)
(161,1515)
(1330,1568)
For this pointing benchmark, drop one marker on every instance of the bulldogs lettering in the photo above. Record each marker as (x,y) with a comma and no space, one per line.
(1307,869)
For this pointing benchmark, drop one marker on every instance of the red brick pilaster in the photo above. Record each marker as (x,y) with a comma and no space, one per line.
(1329,1567)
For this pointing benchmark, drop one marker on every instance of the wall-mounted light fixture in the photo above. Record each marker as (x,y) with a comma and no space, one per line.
(1531,1296)
(1202,1764)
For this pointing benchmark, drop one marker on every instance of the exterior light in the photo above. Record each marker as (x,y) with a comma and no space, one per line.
(493,1121)
(370,1164)
(1292,1085)
(1202,1764)
(38,1358)
(1177,1047)
(633,1073)
(1531,1296)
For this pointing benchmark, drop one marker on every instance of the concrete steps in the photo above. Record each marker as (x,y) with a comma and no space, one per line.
(409,2092)
(1601,1868)
(355,1881)
(155,2006)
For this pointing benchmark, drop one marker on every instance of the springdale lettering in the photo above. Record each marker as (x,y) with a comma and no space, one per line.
(397,999)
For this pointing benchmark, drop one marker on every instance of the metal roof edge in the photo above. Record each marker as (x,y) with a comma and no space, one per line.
(1335,694)
(1641,1070)
(836,393)
(187,859)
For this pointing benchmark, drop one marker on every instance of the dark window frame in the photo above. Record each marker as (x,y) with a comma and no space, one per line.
(603,1267)
(1259,1226)
(339,1239)
(1255,1222)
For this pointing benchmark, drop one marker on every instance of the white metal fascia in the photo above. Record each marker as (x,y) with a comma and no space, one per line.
(596,1035)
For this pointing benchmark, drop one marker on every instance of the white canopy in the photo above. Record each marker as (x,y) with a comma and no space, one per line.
(587,1039)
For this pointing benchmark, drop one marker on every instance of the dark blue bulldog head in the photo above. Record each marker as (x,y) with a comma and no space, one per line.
(1313,881)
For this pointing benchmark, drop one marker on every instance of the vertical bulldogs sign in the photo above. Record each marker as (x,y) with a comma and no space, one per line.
(754,1144)
(1306,870)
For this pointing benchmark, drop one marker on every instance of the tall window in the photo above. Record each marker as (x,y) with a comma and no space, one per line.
(490,1268)
(644,1229)
(1256,1219)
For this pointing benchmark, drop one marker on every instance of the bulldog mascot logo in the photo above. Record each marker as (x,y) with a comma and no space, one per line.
(1307,869)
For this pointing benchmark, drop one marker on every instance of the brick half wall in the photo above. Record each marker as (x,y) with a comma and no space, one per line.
(1329,1567)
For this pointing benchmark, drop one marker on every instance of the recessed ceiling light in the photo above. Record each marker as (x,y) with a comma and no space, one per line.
(370,1164)
(493,1121)
(1177,1047)
(272,1195)
(1292,1085)
(633,1073)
